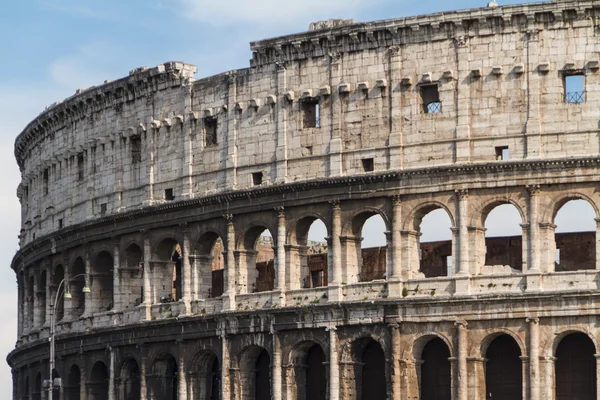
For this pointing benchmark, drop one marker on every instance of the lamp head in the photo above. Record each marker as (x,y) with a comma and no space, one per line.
(86,289)
(68,295)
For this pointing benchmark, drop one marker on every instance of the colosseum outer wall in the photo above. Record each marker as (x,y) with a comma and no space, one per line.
(126,188)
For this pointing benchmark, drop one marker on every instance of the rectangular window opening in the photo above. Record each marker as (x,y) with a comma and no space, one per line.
(103,209)
(169,194)
(46,175)
(502,153)
(210,131)
(136,149)
(257,178)
(574,88)
(311,113)
(80,166)
(430,99)
(60,223)
(368,164)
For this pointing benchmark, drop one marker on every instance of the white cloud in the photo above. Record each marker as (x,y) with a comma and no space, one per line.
(270,12)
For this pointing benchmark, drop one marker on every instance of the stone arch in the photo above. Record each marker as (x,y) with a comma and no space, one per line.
(101,281)
(484,208)
(575,367)
(489,338)
(361,264)
(168,270)
(41,296)
(58,275)
(254,364)
(256,260)
(132,273)
(422,339)
(208,264)
(37,387)
(130,379)
(98,383)
(164,384)
(504,368)
(205,375)
(75,287)
(434,370)
(556,203)
(308,381)
(369,369)
(307,267)
(559,336)
(72,388)
(416,214)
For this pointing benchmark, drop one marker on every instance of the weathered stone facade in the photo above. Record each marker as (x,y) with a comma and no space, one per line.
(133,188)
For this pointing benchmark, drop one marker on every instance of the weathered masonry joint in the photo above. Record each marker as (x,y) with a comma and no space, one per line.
(166,219)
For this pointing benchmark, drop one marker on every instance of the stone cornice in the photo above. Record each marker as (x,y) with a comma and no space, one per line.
(425,28)
(111,94)
(372,178)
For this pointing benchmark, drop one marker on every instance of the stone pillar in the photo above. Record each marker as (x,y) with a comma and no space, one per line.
(148,300)
(35,301)
(597,356)
(461,381)
(462,152)
(598,245)
(525,251)
(395,363)
(395,254)
(534,358)
(476,374)
(143,380)
(111,375)
(181,375)
(186,273)
(334,365)
(396,139)
(534,252)
(335,273)
(280,256)
(462,267)
(296,263)
(225,369)
(89,298)
(547,247)
(232,134)
(547,384)
(533,126)
(336,100)
(117,296)
(351,259)
(276,380)
(229,273)
(49,297)
(280,107)
(410,254)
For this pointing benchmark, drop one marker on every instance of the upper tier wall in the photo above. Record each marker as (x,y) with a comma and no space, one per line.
(160,135)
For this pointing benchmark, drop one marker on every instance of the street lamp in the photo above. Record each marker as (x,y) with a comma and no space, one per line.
(85,289)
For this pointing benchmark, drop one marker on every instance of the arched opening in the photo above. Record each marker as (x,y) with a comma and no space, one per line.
(56,390)
(26,389)
(258,256)
(209,266)
(101,282)
(575,368)
(205,381)
(262,390)
(21,299)
(37,387)
(76,286)
(167,276)
(315,375)
(30,304)
(215,381)
(373,386)
(434,241)
(255,371)
(575,237)
(308,257)
(503,370)
(503,241)
(165,386)
(130,380)
(98,383)
(366,249)
(41,297)
(73,388)
(59,307)
(435,371)
(133,274)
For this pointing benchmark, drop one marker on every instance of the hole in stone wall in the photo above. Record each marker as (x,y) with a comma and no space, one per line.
(169,196)
(210,131)
(314,260)
(80,166)
(373,249)
(503,239)
(367,164)
(136,149)
(574,85)
(430,99)
(434,241)
(311,113)
(575,236)
(257,178)
(502,153)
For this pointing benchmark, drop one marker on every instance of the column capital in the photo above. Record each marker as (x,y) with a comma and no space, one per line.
(394,325)
(145,233)
(462,194)
(335,203)
(534,320)
(461,323)
(533,189)
(228,218)
(331,328)
(280,210)
(185,228)
(396,200)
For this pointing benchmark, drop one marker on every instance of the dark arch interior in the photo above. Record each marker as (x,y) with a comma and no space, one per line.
(435,371)
(215,380)
(41,297)
(59,307)
(37,387)
(211,272)
(374,385)
(102,282)
(166,385)
(575,368)
(134,272)
(76,288)
(316,375)
(262,387)
(98,384)
(169,251)
(130,380)
(72,389)
(503,372)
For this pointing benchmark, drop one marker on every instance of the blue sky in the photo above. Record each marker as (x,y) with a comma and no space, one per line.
(52,47)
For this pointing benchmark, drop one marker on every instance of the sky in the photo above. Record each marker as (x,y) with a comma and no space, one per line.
(50,48)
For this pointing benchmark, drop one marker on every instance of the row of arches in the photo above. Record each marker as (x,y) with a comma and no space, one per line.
(365,253)
(365,373)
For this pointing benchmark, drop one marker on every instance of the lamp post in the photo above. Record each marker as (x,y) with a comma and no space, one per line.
(85,289)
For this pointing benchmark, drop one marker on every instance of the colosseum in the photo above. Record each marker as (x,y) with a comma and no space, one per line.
(165,250)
